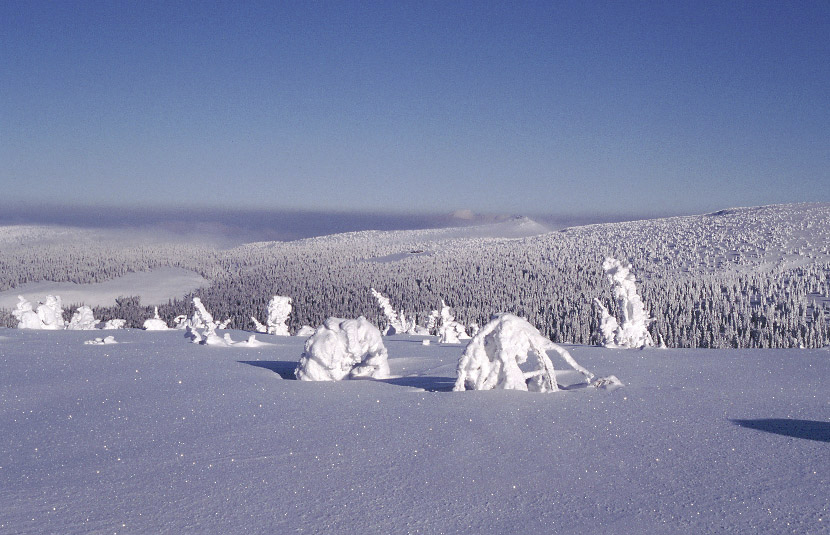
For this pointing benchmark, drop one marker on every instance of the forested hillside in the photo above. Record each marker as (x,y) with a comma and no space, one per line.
(748,277)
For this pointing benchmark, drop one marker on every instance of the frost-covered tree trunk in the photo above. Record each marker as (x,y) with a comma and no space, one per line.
(341,349)
(494,357)
(631,331)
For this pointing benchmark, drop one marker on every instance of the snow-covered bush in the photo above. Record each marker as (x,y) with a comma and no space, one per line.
(449,331)
(632,329)
(49,315)
(26,317)
(341,349)
(279,308)
(155,323)
(493,358)
(82,320)
(114,324)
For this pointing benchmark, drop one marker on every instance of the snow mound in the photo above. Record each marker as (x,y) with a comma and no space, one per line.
(493,358)
(155,323)
(341,349)
(101,341)
(609,383)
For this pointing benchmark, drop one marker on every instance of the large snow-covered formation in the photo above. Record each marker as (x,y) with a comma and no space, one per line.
(49,315)
(25,315)
(493,358)
(279,308)
(632,329)
(343,348)
(155,323)
(82,320)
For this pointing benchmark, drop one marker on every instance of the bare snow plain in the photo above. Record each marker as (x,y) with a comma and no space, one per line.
(155,434)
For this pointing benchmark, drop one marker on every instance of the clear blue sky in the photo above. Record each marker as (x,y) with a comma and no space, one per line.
(508,107)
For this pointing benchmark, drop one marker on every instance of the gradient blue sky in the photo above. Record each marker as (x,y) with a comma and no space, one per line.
(529,107)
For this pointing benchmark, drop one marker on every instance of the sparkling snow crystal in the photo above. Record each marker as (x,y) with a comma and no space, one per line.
(341,349)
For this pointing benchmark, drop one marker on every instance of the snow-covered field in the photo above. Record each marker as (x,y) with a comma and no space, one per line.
(155,288)
(155,434)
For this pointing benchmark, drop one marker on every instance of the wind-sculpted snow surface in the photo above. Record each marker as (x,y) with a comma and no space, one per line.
(493,358)
(158,435)
(341,349)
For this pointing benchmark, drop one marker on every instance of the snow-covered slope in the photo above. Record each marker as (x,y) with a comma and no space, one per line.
(159,435)
(745,277)
(155,287)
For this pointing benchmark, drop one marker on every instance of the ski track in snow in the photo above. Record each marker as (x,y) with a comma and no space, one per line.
(159,435)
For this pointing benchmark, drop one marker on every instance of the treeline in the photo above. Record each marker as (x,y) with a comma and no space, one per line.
(742,278)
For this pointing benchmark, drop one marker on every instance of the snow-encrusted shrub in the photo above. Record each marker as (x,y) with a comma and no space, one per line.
(49,315)
(279,308)
(341,349)
(114,324)
(632,329)
(493,358)
(155,323)
(82,320)
(25,315)
(449,331)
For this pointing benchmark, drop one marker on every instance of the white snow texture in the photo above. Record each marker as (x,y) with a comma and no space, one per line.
(493,358)
(279,308)
(49,315)
(341,349)
(632,329)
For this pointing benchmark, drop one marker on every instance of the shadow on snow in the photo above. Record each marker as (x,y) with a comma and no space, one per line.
(808,429)
(285,369)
